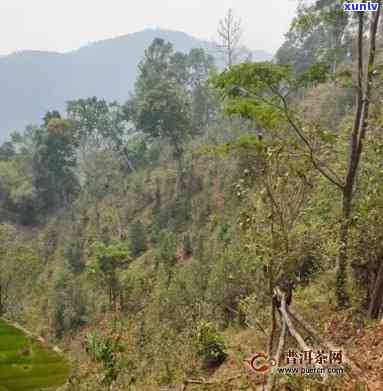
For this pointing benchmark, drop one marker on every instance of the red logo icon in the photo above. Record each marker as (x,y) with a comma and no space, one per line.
(260,363)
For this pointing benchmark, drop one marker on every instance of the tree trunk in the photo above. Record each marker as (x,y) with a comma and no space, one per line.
(282,339)
(110,298)
(356,148)
(180,185)
(377,294)
(1,302)
(342,260)
(272,331)
(122,301)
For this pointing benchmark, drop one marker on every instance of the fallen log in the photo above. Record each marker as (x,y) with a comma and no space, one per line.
(282,339)
(281,344)
(289,323)
(294,333)
(273,329)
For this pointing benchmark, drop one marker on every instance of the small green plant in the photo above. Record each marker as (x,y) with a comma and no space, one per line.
(104,350)
(187,245)
(210,344)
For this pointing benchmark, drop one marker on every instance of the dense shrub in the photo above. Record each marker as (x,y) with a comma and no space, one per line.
(104,350)
(210,344)
(137,238)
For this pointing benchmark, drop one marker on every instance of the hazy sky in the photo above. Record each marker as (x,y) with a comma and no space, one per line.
(62,25)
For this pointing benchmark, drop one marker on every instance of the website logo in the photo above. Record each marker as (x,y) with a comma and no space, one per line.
(304,363)
(360,7)
(260,363)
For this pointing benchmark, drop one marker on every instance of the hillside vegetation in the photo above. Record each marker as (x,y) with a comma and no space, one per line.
(165,241)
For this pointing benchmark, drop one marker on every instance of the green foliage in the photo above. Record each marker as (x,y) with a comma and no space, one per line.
(167,248)
(7,151)
(110,256)
(253,78)
(51,115)
(104,350)
(68,305)
(232,278)
(98,124)
(19,267)
(74,253)
(210,344)
(41,369)
(103,151)
(172,97)
(240,212)
(187,245)
(316,73)
(106,262)
(203,100)
(137,238)
(320,32)
(160,106)
(164,113)
(256,91)
(136,154)
(19,196)
(224,234)
(53,164)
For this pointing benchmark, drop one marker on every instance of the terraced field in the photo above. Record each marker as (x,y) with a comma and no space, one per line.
(27,365)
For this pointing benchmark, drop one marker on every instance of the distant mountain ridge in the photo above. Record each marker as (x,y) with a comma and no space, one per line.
(33,82)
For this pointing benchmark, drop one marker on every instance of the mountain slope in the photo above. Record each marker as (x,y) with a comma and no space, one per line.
(33,82)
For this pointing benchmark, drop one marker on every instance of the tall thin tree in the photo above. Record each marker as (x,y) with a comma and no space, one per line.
(358,134)
(230,33)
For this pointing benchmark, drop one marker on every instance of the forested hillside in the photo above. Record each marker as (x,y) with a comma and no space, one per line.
(213,219)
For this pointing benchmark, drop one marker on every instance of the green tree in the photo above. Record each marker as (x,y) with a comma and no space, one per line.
(261,92)
(68,304)
(164,113)
(161,105)
(18,268)
(99,125)
(18,195)
(74,251)
(106,261)
(7,151)
(319,33)
(51,115)
(166,253)
(54,161)
(210,344)
(137,238)
(203,101)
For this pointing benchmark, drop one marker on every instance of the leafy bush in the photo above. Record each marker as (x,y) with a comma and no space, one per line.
(104,350)
(167,248)
(74,253)
(69,309)
(137,238)
(187,245)
(210,344)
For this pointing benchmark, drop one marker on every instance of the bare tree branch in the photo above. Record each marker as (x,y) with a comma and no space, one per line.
(229,33)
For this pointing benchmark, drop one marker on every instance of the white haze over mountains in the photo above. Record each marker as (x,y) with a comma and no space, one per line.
(66,25)
(33,82)
(46,69)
